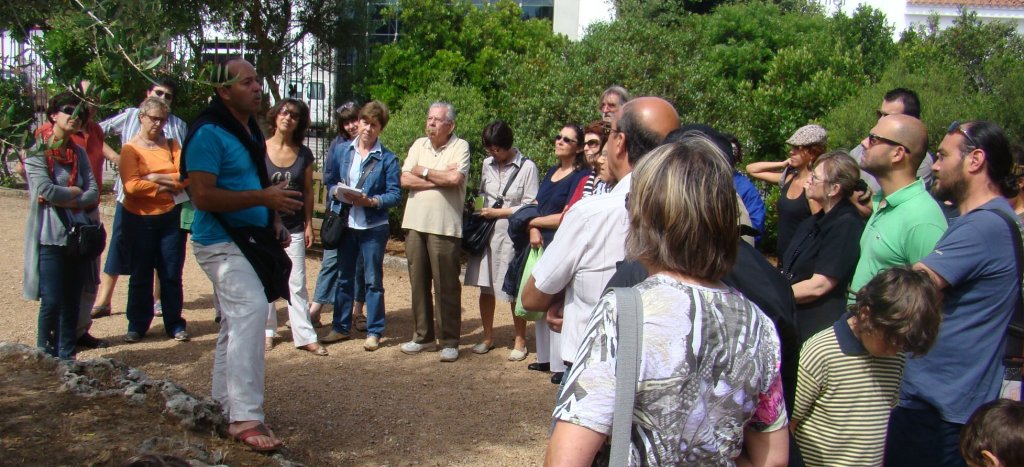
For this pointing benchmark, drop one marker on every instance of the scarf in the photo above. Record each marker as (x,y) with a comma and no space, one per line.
(218,114)
(64,154)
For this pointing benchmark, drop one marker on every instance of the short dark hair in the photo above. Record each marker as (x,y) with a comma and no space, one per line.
(300,127)
(377,112)
(904,305)
(599,128)
(581,159)
(990,138)
(639,139)
(60,100)
(498,133)
(164,82)
(907,97)
(997,427)
(346,113)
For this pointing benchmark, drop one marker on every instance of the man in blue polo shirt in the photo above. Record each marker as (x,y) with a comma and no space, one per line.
(220,157)
(974,265)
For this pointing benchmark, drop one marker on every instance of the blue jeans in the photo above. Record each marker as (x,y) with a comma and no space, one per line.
(157,242)
(60,289)
(366,247)
(327,280)
(117,261)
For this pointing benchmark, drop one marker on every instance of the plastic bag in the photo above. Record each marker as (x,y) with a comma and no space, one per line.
(531,260)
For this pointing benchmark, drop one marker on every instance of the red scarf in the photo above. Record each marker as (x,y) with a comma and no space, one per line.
(63,154)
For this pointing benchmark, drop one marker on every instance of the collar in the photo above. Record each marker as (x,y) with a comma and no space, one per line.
(623,184)
(903,194)
(517,160)
(377,149)
(848,342)
(430,145)
(839,210)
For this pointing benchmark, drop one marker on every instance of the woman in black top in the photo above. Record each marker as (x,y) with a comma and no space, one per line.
(823,254)
(792,174)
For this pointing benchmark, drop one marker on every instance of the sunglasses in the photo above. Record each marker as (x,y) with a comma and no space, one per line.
(163,94)
(68,110)
(289,113)
(564,139)
(956,128)
(874,139)
(592,143)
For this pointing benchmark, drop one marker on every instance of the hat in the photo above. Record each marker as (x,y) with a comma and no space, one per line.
(808,135)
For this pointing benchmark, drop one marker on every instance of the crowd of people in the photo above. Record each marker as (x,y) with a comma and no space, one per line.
(881,334)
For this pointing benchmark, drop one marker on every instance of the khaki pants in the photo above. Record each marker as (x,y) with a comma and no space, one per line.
(434,260)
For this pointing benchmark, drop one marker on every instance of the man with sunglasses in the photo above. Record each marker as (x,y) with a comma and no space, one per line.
(898,101)
(906,221)
(126,125)
(975,267)
(435,173)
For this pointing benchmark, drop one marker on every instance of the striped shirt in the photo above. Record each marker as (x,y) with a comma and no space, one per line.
(843,399)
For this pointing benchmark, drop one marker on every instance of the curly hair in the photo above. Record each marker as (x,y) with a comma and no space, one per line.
(903,305)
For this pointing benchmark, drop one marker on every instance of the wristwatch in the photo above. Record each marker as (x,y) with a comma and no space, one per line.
(425,172)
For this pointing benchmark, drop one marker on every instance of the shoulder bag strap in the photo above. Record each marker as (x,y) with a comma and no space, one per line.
(1014,346)
(629,326)
(511,179)
(366,172)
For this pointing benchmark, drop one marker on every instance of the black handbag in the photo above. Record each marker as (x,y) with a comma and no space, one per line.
(85,241)
(477,230)
(335,223)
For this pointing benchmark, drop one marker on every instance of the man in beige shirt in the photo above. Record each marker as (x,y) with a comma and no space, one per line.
(435,174)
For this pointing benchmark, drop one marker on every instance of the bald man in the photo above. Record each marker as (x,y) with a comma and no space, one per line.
(591,239)
(906,221)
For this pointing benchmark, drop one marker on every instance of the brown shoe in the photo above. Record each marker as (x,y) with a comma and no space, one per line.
(360,323)
(100,311)
(335,336)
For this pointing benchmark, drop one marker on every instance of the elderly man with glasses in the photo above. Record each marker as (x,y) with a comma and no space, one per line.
(906,221)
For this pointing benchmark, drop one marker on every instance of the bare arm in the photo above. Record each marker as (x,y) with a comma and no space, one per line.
(770,172)
(939,281)
(572,445)
(207,196)
(764,449)
(814,288)
(441,178)
(551,221)
(110,154)
(415,182)
(534,299)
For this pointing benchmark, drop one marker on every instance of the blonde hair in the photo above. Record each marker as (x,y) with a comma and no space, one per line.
(154,103)
(683,209)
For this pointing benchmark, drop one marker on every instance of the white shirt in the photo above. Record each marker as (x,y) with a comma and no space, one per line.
(581,259)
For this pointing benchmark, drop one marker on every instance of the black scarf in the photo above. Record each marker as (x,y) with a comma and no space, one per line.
(218,114)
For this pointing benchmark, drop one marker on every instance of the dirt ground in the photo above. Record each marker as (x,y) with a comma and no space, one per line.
(350,408)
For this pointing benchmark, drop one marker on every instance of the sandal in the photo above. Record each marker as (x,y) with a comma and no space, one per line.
(360,323)
(259,430)
(319,350)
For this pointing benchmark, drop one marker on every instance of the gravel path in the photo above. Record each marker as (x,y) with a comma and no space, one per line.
(352,407)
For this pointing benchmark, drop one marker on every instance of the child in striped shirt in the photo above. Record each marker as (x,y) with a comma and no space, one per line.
(849,375)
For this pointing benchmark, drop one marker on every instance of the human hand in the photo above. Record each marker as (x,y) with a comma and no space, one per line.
(536,239)
(357,200)
(309,235)
(280,199)
(75,191)
(488,213)
(554,316)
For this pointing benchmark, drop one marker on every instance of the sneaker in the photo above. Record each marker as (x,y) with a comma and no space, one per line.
(449,354)
(132,337)
(158,309)
(182,336)
(334,336)
(482,348)
(372,343)
(90,342)
(412,348)
(100,311)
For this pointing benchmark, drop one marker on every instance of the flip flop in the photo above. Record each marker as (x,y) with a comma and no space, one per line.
(258,430)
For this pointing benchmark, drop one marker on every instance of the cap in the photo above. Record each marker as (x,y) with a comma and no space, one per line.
(808,135)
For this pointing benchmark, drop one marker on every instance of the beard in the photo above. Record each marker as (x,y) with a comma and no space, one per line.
(950,190)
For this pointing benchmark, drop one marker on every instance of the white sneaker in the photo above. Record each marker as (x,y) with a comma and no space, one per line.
(449,354)
(413,348)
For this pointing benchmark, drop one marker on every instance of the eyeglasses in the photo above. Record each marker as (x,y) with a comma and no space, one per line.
(68,109)
(288,113)
(815,179)
(592,143)
(156,120)
(956,128)
(164,94)
(564,139)
(874,139)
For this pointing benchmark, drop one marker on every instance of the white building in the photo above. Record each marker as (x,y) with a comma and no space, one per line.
(908,14)
(572,17)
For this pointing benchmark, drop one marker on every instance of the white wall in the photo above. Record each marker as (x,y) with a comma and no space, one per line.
(571,17)
(903,16)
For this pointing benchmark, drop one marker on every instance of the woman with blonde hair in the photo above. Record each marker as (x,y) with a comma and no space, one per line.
(708,390)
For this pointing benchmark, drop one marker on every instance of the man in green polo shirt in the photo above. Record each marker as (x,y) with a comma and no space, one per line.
(906,221)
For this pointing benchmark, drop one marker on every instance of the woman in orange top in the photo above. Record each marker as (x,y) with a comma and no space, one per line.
(149,172)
